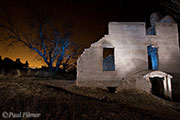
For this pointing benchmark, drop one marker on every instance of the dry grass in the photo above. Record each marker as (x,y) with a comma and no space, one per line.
(63,100)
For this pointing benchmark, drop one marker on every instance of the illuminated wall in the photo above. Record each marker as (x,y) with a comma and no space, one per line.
(130,44)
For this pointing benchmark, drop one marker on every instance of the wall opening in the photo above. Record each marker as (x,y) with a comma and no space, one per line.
(112,89)
(108,59)
(152,57)
(157,86)
(150,29)
(160,84)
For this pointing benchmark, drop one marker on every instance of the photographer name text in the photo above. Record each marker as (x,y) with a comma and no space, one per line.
(20,115)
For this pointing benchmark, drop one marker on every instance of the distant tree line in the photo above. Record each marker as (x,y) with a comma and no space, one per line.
(8,66)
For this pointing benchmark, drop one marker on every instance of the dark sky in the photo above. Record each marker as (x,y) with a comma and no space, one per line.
(89,18)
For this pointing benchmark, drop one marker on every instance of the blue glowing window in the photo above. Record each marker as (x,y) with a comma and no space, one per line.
(152,57)
(108,59)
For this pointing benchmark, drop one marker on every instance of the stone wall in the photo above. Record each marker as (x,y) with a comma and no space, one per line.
(130,42)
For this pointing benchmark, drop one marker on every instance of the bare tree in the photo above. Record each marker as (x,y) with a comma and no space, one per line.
(40,35)
(172,7)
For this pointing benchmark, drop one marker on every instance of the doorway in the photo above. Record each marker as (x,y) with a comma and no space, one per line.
(157,86)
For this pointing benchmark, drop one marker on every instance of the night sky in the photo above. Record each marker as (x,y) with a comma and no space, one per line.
(89,19)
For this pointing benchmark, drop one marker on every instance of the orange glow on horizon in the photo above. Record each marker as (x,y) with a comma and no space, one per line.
(24,54)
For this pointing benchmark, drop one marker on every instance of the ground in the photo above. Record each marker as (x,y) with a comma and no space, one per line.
(63,100)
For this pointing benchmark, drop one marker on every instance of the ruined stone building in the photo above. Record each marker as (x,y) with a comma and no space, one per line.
(130,58)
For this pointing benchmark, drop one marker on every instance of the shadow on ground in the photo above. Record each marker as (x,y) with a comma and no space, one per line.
(63,100)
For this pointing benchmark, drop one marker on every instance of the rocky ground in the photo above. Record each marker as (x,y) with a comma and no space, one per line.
(63,100)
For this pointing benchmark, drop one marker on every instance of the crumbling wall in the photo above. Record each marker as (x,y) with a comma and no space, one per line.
(129,56)
(90,67)
(130,42)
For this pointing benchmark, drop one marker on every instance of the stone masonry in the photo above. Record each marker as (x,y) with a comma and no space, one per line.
(129,43)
